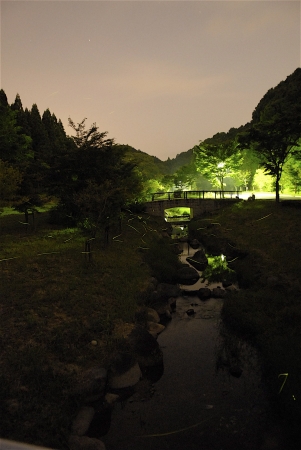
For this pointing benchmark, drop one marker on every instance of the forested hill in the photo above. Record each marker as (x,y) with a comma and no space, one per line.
(150,167)
(173,164)
(153,165)
(285,94)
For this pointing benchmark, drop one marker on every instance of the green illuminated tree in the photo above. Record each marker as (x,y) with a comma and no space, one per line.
(218,158)
(185,176)
(291,175)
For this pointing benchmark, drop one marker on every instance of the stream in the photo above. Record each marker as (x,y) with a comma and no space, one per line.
(210,395)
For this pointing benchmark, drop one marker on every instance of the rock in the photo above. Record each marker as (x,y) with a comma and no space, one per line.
(218,292)
(127,379)
(199,260)
(92,383)
(155,328)
(167,315)
(226,284)
(231,288)
(161,308)
(152,315)
(212,244)
(204,293)
(187,275)
(145,347)
(172,303)
(190,292)
(111,398)
(85,443)
(165,291)
(190,312)
(82,421)
(194,243)
(235,371)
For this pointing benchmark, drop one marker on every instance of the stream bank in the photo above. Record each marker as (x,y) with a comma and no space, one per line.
(210,395)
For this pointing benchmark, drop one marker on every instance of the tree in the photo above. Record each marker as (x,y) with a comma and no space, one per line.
(291,175)
(94,181)
(185,176)
(10,179)
(217,158)
(168,182)
(13,142)
(275,131)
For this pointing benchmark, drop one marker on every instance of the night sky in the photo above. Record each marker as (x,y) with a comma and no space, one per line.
(157,75)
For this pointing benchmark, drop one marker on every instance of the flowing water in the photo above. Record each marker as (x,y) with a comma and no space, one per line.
(209,397)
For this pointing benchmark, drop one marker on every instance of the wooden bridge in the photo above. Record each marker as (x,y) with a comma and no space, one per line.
(198,203)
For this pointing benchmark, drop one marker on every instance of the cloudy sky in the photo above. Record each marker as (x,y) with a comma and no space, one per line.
(157,75)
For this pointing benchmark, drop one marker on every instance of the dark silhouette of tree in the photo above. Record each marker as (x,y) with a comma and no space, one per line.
(94,180)
(10,179)
(13,142)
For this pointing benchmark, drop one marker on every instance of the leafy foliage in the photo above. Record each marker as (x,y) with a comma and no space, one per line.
(94,181)
(275,131)
(218,158)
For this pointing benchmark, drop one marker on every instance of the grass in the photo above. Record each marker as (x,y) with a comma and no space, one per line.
(55,300)
(267,311)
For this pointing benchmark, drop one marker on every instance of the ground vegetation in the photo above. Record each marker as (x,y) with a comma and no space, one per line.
(263,240)
(63,310)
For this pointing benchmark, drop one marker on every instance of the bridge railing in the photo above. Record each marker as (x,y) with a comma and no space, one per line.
(174,195)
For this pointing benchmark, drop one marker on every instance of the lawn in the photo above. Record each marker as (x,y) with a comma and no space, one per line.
(55,300)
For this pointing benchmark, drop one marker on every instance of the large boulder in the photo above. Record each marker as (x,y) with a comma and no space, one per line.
(124,371)
(199,260)
(187,275)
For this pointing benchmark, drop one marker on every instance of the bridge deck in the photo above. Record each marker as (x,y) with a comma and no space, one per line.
(176,195)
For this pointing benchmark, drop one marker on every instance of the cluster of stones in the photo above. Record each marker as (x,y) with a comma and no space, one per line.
(99,388)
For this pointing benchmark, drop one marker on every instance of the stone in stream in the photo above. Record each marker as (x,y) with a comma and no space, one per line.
(187,275)
(164,291)
(204,293)
(145,347)
(235,371)
(190,292)
(199,260)
(82,421)
(194,243)
(218,292)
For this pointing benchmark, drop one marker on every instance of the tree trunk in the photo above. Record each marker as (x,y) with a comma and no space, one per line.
(277,189)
